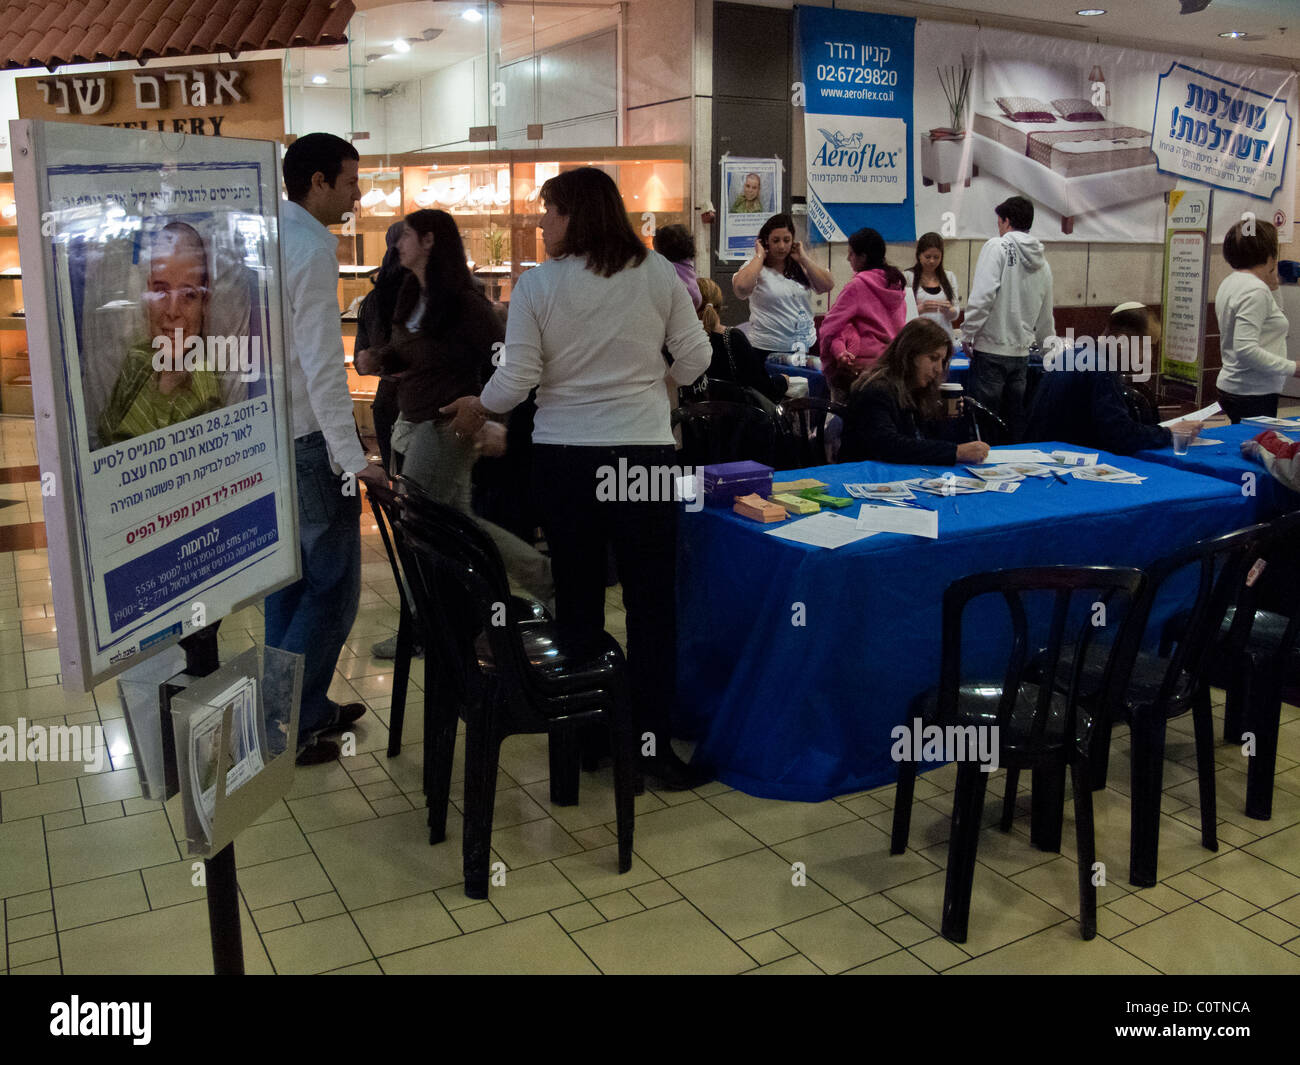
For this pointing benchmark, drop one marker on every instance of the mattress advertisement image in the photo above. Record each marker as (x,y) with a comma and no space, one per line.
(1094,135)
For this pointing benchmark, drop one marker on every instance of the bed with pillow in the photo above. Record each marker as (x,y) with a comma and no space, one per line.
(1065,154)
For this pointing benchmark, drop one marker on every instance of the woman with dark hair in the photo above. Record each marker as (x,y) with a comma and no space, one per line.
(892,404)
(778,282)
(933,292)
(374,327)
(867,315)
(587,329)
(1252,327)
(676,244)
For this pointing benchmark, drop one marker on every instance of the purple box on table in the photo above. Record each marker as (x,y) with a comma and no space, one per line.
(726,480)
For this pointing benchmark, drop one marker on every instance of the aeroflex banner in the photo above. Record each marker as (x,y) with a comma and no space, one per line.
(857,74)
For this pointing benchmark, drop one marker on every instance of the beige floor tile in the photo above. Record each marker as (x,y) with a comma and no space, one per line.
(319,906)
(1251,877)
(269,841)
(1176,943)
(532,842)
(863,805)
(22,905)
(900,963)
(33,950)
(766,947)
(655,893)
(91,851)
(906,930)
(480,915)
(853,860)
(838,940)
(877,909)
(774,822)
(42,924)
(515,806)
(751,893)
(15,775)
(1057,883)
(285,880)
(105,811)
(1231,906)
(579,915)
(1111,924)
(1288,911)
(109,787)
(331,809)
(1191,885)
(319,779)
(1163,896)
(1280,848)
(273,917)
(938,954)
(389,858)
(1135,909)
(533,946)
(19,803)
(668,939)
(1057,951)
(619,904)
(1000,912)
(316,946)
(170,885)
(163,942)
(533,889)
(405,923)
(595,802)
(1270,927)
(99,900)
(395,804)
(795,965)
(688,836)
(365,968)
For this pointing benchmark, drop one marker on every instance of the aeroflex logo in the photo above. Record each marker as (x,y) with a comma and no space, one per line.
(219,354)
(919,742)
(1130,355)
(53,743)
(651,484)
(132,1019)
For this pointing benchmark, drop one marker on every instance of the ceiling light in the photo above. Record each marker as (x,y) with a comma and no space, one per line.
(320,79)
(1190,7)
(400,45)
(372,197)
(472,14)
(1087,12)
(1234,34)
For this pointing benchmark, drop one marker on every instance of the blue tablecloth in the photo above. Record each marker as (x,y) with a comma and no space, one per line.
(959,369)
(803,711)
(817,385)
(1226,462)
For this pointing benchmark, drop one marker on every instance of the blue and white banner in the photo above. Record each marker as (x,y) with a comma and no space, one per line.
(856,70)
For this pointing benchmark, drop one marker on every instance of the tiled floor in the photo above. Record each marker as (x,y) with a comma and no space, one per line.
(339,876)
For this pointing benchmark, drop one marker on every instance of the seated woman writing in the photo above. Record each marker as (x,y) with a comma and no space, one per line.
(145,399)
(892,406)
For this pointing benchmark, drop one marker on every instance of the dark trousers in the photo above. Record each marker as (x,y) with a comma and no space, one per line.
(998,381)
(580,527)
(384,411)
(1238,407)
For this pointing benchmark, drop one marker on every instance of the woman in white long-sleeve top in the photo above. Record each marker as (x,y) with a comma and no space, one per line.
(1252,327)
(587,329)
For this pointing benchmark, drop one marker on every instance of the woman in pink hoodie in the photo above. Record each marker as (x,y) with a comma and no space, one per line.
(866,317)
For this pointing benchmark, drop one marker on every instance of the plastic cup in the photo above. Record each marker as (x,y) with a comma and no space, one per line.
(952,395)
(1181,442)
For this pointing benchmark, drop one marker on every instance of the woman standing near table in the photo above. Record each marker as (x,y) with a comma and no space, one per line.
(933,291)
(587,329)
(868,313)
(1252,328)
(892,404)
(778,282)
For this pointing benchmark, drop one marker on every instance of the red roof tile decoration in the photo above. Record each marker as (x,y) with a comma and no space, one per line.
(54,33)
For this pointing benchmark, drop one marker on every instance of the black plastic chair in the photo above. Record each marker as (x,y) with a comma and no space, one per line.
(804,420)
(1154,688)
(1253,658)
(1038,727)
(718,431)
(1141,403)
(383,507)
(509,674)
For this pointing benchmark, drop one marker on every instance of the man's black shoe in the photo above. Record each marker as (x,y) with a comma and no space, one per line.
(318,752)
(667,772)
(343,717)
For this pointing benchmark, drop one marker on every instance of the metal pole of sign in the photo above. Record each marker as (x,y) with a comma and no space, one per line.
(201,659)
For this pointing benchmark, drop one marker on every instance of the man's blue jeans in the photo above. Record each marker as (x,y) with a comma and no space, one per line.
(314,616)
(998,381)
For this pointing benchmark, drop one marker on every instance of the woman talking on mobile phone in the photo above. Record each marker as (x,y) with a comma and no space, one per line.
(778,282)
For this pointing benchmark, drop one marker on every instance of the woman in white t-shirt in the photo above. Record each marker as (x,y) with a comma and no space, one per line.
(778,282)
(933,292)
(1252,327)
(587,329)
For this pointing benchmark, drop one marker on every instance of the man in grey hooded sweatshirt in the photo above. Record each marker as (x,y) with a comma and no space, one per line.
(1010,307)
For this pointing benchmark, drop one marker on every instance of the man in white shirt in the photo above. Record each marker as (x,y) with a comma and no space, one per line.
(313,616)
(1010,307)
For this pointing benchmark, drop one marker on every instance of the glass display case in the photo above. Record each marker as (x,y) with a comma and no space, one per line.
(15,370)
(495,198)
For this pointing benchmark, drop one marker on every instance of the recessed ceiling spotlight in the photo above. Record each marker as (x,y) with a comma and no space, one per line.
(1190,7)
(1234,34)
(319,79)
(400,45)
(472,14)
(1089,11)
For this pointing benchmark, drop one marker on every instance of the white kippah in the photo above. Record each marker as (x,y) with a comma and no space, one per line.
(1132,305)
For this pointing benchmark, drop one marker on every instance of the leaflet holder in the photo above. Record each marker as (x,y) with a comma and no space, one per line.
(267,739)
